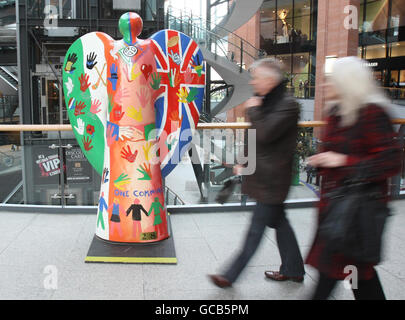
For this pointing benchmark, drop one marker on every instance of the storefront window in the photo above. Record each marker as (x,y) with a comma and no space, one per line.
(285,8)
(301,62)
(376,52)
(287,26)
(302,27)
(286,60)
(285,21)
(394,78)
(402,78)
(376,15)
(300,83)
(302,8)
(285,31)
(398,49)
(302,19)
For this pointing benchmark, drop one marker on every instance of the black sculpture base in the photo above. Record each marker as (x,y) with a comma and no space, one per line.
(157,252)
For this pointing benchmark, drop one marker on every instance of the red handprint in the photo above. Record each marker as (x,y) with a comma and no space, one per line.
(127,154)
(188,75)
(87,144)
(84,82)
(112,133)
(175,116)
(94,106)
(117,113)
(144,96)
(120,95)
(79,107)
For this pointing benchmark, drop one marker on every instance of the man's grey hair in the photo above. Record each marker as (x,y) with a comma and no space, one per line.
(270,66)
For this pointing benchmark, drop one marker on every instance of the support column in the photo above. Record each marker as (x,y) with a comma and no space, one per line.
(333,39)
(24,67)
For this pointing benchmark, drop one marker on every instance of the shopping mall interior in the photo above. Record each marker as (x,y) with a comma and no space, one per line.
(50,193)
(34,40)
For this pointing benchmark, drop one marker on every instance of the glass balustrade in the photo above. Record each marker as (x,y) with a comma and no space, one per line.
(49,168)
(9,111)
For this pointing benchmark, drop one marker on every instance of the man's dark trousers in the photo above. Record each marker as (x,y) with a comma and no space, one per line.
(273,216)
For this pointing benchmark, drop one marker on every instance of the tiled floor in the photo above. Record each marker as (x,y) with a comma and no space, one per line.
(32,245)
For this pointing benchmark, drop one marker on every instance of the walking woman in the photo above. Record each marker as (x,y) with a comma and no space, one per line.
(358,134)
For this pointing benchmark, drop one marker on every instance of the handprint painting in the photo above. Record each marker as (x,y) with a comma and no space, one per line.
(128,103)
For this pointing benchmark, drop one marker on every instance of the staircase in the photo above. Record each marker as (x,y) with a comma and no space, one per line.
(8,34)
(8,75)
(228,55)
(239,13)
(224,51)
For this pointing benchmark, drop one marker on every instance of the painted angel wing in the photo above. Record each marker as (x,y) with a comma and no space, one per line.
(181,69)
(85,71)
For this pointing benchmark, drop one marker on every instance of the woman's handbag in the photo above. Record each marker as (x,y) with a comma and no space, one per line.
(353,222)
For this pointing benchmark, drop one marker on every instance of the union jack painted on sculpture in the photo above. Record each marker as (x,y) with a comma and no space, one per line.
(129,101)
(177,58)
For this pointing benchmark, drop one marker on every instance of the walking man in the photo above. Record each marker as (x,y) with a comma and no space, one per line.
(274,116)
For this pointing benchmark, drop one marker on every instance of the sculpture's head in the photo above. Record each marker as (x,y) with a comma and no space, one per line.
(136,201)
(130,26)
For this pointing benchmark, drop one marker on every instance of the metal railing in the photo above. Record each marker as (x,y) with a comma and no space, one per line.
(392,93)
(232,47)
(186,16)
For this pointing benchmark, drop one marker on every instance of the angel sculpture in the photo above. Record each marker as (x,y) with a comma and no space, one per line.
(122,96)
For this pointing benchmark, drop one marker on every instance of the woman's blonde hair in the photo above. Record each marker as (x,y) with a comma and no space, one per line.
(356,88)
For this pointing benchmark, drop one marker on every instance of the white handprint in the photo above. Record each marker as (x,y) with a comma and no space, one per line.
(175,57)
(130,133)
(80,126)
(115,49)
(69,86)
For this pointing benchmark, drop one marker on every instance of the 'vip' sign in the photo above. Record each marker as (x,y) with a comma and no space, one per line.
(128,102)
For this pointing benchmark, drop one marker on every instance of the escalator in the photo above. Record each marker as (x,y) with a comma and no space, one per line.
(8,96)
(9,76)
